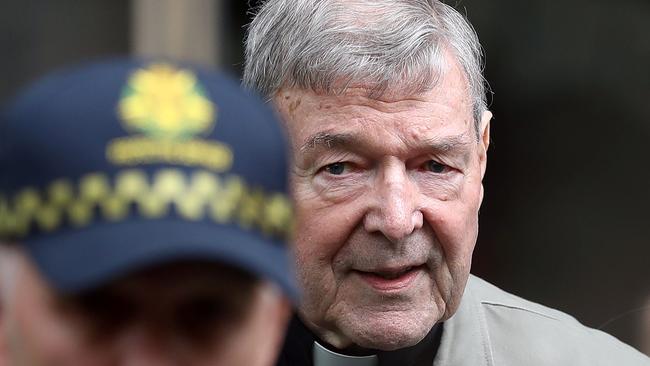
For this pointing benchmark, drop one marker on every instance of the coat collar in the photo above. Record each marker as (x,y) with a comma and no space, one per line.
(465,340)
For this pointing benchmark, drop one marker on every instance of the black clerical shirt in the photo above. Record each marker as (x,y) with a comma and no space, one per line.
(299,343)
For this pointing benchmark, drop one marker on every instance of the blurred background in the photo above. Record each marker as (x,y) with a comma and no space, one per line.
(565,221)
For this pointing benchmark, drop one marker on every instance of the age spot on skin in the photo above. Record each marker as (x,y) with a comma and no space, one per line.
(294,105)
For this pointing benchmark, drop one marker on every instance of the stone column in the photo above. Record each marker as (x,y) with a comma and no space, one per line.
(183,30)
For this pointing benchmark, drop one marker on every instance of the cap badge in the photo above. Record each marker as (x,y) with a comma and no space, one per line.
(168,107)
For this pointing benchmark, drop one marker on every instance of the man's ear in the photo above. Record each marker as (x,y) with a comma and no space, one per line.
(484,144)
(276,320)
(7,262)
(484,136)
(4,357)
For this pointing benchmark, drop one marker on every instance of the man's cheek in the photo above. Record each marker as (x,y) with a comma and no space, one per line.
(455,233)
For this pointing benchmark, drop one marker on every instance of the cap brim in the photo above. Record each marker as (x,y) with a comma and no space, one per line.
(76,260)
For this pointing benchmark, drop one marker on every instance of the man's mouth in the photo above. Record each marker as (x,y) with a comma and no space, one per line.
(386,280)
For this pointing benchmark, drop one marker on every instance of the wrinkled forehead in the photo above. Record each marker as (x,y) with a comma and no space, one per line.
(449,100)
(451,88)
(447,73)
(354,122)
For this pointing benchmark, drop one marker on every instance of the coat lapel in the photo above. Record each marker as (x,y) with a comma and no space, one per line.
(465,339)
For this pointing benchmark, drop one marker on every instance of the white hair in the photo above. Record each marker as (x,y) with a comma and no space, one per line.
(389,45)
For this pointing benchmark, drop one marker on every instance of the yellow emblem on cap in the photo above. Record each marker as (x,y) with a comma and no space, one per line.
(168,107)
(166,102)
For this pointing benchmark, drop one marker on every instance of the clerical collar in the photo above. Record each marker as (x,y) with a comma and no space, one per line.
(325,357)
(301,347)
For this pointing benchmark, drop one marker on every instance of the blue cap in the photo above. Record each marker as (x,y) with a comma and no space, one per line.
(114,166)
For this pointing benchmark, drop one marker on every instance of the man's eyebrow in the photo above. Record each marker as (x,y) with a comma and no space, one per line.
(327,140)
(448,143)
(444,144)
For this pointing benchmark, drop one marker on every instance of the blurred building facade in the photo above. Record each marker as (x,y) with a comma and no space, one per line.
(565,220)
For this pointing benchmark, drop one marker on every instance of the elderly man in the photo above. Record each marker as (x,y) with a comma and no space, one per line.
(384,104)
(142,215)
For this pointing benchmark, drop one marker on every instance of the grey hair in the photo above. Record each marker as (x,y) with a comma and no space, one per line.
(390,45)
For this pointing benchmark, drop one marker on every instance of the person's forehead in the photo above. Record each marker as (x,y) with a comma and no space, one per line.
(314,120)
(450,82)
(448,99)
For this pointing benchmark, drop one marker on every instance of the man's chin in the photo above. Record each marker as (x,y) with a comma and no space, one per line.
(387,333)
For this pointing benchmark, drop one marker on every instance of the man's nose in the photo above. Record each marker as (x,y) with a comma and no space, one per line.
(394,208)
(137,347)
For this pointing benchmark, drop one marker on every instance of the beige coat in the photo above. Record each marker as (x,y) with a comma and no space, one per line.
(495,328)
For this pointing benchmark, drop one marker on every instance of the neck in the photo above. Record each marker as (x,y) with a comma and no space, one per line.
(350,349)
(323,356)
(331,339)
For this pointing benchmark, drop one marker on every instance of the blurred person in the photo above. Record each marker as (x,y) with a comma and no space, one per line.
(143,214)
(385,107)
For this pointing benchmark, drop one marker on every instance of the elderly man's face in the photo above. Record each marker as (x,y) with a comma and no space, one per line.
(387,194)
(174,315)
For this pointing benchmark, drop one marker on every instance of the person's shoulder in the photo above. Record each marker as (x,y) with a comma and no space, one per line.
(492,297)
(522,332)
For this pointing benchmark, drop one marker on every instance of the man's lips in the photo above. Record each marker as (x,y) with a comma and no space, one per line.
(391,279)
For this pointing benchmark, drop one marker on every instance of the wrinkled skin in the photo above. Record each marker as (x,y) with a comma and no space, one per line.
(35,330)
(384,187)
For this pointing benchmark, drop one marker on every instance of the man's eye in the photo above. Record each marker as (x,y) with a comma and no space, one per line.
(436,167)
(335,169)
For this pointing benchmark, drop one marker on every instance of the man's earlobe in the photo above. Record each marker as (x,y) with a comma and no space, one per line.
(4,357)
(486,118)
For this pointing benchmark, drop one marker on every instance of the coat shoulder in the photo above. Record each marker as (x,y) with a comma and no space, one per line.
(522,332)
